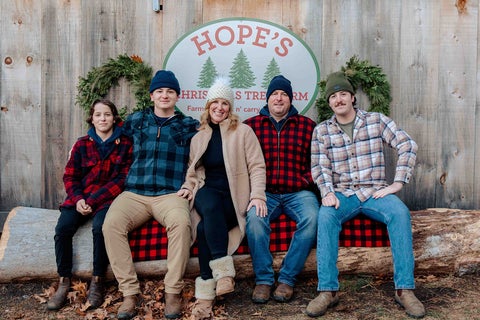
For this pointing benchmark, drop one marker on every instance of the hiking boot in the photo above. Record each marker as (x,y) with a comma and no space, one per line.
(173,305)
(407,299)
(261,293)
(202,309)
(127,310)
(225,285)
(95,292)
(283,293)
(58,300)
(318,306)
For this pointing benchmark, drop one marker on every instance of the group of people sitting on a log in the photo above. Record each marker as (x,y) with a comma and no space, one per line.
(219,179)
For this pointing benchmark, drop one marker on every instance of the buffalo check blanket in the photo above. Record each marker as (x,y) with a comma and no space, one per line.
(149,242)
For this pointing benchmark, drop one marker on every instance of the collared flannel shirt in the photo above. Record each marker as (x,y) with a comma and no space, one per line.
(160,153)
(286,151)
(358,166)
(88,176)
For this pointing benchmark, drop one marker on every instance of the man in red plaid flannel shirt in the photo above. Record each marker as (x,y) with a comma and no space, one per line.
(285,137)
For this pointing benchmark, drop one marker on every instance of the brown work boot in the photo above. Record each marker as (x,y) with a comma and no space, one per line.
(261,293)
(58,300)
(225,285)
(127,310)
(202,309)
(283,293)
(318,306)
(407,299)
(173,305)
(95,292)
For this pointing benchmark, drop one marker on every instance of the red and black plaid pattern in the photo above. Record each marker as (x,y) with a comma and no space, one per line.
(286,152)
(364,232)
(149,242)
(88,176)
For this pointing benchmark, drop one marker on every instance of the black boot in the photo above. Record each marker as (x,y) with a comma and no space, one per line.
(95,292)
(57,301)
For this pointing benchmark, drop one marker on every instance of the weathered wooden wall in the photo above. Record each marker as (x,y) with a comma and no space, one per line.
(429,50)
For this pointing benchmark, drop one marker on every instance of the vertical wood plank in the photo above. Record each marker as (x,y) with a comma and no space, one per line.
(455,126)
(62,121)
(20,116)
(476,175)
(214,9)
(175,27)
(415,94)
(341,39)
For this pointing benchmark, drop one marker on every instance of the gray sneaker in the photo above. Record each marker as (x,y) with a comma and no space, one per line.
(407,299)
(318,306)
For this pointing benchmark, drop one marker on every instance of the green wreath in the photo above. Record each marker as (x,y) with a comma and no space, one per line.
(362,75)
(99,80)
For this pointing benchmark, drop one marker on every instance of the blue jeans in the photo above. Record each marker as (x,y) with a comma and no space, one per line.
(301,207)
(389,210)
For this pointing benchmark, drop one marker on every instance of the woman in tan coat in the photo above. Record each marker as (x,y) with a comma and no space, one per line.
(225,179)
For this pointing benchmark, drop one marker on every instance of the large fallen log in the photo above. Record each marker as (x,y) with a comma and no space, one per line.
(446,241)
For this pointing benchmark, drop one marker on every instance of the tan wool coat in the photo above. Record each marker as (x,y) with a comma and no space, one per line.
(245,167)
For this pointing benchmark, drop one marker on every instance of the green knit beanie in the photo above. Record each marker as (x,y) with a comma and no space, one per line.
(337,81)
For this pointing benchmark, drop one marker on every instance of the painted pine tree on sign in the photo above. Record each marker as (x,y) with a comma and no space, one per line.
(272,70)
(208,74)
(241,73)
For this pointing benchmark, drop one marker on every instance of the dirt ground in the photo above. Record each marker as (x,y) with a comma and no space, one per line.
(361,297)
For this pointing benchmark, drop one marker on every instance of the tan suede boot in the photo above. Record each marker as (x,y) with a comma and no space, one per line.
(58,300)
(95,292)
(407,299)
(318,306)
(128,308)
(205,296)
(173,305)
(223,271)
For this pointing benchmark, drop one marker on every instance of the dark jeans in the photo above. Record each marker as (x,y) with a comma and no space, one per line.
(68,223)
(218,217)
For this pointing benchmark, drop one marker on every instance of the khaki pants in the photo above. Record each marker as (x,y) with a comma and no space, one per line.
(129,211)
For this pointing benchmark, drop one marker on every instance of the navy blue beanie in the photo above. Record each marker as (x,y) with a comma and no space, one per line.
(280,83)
(164,79)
